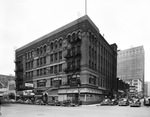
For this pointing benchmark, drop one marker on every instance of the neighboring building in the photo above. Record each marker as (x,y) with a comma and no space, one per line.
(74,61)
(130,67)
(147,89)
(8,86)
(122,88)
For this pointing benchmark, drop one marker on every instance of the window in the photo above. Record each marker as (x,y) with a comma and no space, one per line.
(41,83)
(55,82)
(37,51)
(41,72)
(44,71)
(31,73)
(56,56)
(44,60)
(41,50)
(56,45)
(51,69)
(41,62)
(60,55)
(55,69)
(52,46)
(89,63)
(60,44)
(44,48)
(51,57)
(31,64)
(92,79)
(37,62)
(38,72)
(60,67)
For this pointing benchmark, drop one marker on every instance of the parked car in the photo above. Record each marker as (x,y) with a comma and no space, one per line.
(12,101)
(68,103)
(146,101)
(123,102)
(114,102)
(39,102)
(54,103)
(28,101)
(105,102)
(135,103)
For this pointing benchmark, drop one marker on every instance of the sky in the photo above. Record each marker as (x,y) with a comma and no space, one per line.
(124,22)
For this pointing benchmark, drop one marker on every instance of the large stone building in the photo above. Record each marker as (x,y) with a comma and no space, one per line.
(130,67)
(72,62)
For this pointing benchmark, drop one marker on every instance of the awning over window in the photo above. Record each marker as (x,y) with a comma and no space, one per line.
(81,90)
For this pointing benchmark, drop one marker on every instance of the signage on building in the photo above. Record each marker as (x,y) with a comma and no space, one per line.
(29,84)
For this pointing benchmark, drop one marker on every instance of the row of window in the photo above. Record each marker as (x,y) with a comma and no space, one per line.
(42,61)
(56,44)
(55,82)
(44,71)
(56,56)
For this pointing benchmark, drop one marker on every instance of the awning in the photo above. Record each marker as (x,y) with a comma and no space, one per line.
(81,90)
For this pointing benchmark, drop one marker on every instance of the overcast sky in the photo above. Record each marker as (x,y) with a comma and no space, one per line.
(124,22)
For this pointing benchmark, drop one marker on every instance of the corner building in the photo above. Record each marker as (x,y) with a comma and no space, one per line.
(73,62)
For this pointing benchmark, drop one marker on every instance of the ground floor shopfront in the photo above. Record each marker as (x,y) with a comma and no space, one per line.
(86,95)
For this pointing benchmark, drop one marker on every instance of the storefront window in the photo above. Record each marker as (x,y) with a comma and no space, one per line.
(55,82)
(41,83)
(92,79)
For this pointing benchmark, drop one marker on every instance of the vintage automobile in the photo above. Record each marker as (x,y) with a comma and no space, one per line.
(105,102)
(39,102)
(12,101)
(135,102)
(123,102)
(114,102)
(54,103)
(28,101)
(146,101)
(68,103)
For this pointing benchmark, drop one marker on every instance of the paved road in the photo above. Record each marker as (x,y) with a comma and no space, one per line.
(23,110)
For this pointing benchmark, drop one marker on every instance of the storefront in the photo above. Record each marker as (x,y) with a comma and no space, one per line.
(86,95)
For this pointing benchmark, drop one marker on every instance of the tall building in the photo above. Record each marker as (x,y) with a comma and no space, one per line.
(130,67)
(147,89)
(73,62)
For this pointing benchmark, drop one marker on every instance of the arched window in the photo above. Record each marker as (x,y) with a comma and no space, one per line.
(44,48)
(56,44)
(51,45)
(60,43)
(41,50)
(68,38)
(90,37)
(73,37)
(79,34)
(37,51)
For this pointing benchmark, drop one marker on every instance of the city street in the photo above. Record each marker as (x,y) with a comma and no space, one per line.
(23,110)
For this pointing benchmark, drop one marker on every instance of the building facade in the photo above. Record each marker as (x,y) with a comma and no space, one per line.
(7,86)
(73,62)
(130,67)
(147,88)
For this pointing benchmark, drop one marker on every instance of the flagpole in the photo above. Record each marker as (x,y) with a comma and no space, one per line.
(85,7)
